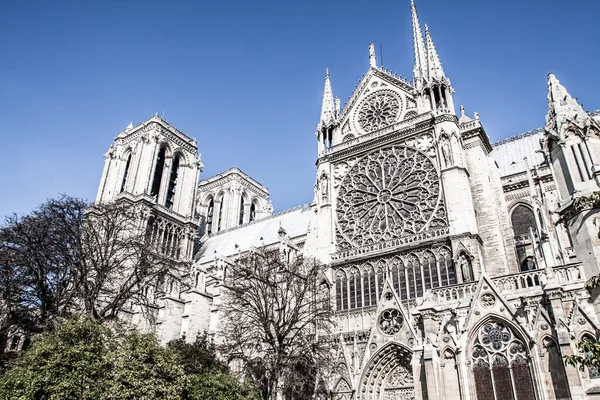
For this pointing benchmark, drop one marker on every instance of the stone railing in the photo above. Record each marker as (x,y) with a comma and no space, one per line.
(511,283)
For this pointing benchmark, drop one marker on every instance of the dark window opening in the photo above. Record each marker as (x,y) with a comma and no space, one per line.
(158,170)
(126,172)
(522,219)
(209,216)
(241,220)
(172,183)
(252,212)
(528,264)
(220,215)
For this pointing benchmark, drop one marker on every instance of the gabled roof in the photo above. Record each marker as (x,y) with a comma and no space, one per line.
(233,171)
(259,233)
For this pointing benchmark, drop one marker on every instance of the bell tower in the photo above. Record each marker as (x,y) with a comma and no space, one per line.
(156,166)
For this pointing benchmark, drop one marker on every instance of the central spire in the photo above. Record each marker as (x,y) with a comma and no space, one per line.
(420,68)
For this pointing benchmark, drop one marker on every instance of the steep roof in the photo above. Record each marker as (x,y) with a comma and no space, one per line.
(509,153)
(259,233)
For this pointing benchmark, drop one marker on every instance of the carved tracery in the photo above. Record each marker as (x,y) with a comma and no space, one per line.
(501,364)
(388,194)
(379,110)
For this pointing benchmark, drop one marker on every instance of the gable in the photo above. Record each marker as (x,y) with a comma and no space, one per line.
(380,100)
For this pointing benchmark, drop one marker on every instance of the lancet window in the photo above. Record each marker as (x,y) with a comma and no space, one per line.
(252,212)
(158,171)
(501,368)
(126,172)
(411,274)
(522,219)
(172,182)
(209,216)
(241,219)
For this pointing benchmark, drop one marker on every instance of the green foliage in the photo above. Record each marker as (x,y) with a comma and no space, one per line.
(220,386)
(71,362)
(198,357)
(591,358)
(142,369)
(83,358)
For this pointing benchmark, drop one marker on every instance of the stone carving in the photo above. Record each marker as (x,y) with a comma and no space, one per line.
(378,111)
(465,267)
(488,300)
(324,187)
(390,321)
(495,336)
(388,194)
(446,152)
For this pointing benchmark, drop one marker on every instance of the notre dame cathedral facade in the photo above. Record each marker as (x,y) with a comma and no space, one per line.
(456,266)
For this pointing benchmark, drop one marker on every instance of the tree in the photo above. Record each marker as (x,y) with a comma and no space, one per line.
(85,359)
(209,378)
(276,318)
(71,362)
(68,256)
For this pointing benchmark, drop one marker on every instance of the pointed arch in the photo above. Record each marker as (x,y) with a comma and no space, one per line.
(159,165)
(173,179)
(127,156)
(388,372)
(500,357)
(341,290)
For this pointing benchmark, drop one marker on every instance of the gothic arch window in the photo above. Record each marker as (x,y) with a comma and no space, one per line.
(209,215)
(220,220)
(415,277)
(126,172)
(355,288)
(528,264)
(522,218)
(369,286)
(158,170)
(173,181)
(399,278)
(252,212)
(430,272)
(592,372)
(501,368)
(447,269)
(241,216)
(341,291)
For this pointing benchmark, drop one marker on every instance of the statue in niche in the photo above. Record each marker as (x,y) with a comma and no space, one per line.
(465,267)
(446,152)
(324,188)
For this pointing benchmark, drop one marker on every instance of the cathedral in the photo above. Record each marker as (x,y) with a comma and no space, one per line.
(456,266)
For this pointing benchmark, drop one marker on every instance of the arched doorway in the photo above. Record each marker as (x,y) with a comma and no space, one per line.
(388,375)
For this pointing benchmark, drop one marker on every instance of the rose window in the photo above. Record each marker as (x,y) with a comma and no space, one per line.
(387,194)
(390,322)
(495,335)
(378,111)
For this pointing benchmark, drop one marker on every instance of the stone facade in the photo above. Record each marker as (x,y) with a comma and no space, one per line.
(456,266)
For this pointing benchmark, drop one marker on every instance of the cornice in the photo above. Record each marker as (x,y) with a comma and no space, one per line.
(156,124)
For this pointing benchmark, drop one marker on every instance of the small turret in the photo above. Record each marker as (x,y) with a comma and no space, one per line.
(434,91)
(330,111)
(372,56)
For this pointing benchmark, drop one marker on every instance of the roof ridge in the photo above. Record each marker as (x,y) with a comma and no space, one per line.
(289,210)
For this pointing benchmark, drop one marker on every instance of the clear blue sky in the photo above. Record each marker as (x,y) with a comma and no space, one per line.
(245,78)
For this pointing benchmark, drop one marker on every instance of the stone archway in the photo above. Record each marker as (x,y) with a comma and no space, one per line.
(388,375)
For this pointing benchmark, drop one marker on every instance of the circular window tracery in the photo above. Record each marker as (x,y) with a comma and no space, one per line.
(387,194)
(378,111)
(390,321)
